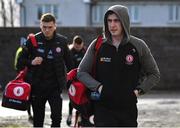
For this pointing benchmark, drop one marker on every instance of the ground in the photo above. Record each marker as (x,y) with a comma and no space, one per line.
(156,109)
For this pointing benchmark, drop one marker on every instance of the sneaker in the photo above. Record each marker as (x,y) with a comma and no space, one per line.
(68,121)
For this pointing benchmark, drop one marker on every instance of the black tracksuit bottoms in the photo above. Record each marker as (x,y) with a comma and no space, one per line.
(38,105)
(109,117)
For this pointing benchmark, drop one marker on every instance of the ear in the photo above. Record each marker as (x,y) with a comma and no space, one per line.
(55,26)
(41,25)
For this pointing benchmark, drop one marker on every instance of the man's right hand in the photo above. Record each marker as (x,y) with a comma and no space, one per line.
(37,61)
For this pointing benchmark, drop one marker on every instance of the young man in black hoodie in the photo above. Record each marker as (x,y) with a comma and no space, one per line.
(46,70)
(119,65)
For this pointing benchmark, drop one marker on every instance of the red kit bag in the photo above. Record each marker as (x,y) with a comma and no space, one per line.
(79,95)
(17,92)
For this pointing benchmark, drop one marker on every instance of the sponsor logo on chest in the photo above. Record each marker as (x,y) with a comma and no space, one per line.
(105,59)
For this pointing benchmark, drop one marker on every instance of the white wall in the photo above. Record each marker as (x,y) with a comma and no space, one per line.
(76,12)
(71,12)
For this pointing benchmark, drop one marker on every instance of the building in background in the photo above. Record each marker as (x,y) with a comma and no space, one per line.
(143,13)
(82,13)
(67,12)
(9,13)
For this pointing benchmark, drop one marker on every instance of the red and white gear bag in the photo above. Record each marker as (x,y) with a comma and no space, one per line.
(17,92)
(79,95)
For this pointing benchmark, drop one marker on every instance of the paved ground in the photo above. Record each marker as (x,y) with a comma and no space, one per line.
(156,109)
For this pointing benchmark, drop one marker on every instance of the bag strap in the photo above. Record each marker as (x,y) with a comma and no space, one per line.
(21,75)
(99,41)
(32,37)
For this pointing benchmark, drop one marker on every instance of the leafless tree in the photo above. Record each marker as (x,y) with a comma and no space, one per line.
(8,7)
(11,13)
(3,13)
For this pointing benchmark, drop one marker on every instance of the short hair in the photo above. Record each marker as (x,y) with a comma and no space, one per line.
(48,17)
(77,39)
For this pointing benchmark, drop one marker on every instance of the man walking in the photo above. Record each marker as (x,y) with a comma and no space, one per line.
(119,65)
(46,70)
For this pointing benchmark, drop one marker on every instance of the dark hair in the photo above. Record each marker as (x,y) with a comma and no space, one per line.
(48,17)
(77,40)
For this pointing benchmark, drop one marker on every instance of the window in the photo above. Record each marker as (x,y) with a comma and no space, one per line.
(98,12)
(48,8)
(174,13)
(134,13)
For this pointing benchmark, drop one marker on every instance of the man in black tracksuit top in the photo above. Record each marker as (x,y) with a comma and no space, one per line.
(47,71)
(120,63)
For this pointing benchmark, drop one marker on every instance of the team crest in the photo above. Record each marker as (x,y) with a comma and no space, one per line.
(18,91)
(58,49)
(72,90)
(129,59)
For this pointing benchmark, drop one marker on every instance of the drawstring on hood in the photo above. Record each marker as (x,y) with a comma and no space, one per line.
(122,13)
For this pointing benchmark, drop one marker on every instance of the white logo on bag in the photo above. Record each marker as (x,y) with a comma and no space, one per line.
(72,90)
(18,91)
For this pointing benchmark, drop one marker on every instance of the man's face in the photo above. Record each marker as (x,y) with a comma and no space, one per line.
(114,25)
(48,29)
(78,47)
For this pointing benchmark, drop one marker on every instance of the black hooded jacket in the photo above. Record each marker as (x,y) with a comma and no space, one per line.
(51,74)
(119,69)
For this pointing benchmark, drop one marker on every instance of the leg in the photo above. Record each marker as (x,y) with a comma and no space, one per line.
(30,117)
(122,117)
(103,117)
(85,122)
(38,105)
(129,116)
(29,111)
(55,102)
(69,118)
(70,108)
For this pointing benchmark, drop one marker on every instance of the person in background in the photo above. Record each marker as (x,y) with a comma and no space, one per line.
(120,63)
(78,50)
(47,67)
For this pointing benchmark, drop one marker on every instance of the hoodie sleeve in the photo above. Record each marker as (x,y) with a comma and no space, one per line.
(149,68)
(85,68)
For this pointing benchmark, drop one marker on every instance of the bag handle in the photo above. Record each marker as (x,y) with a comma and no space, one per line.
(22,74)
(32,37)
(99,41)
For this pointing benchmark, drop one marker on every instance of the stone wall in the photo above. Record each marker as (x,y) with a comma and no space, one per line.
(163,42)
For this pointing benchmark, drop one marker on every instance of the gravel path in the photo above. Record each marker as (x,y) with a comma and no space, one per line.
(158,109)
